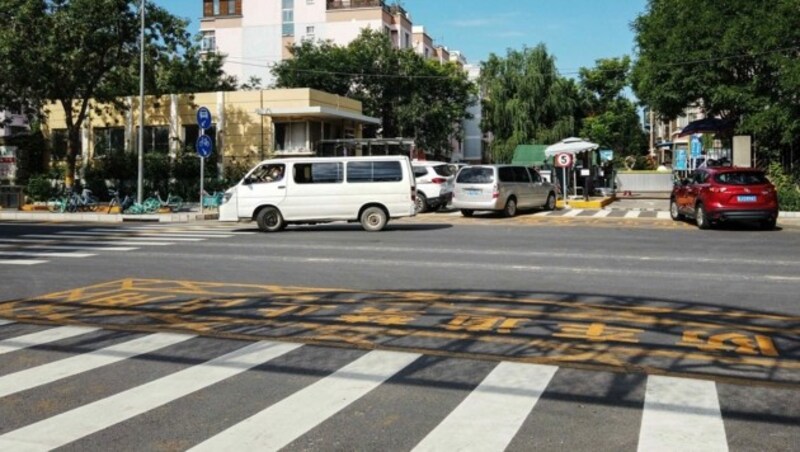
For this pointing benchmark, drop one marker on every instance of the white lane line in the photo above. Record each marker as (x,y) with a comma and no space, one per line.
(122,239)
(663,215)
(57,370)
(5,322)
(159,233)
(602,214)
(573,213)
(681,414)
(631,214)
(123,236)
(21,262)
(72,425)
(83,247)
(45,254)
(42,337)
(491,415)
(283,422)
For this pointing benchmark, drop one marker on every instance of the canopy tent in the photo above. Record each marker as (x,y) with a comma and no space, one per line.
(570,146)
(529,155)
(707,125)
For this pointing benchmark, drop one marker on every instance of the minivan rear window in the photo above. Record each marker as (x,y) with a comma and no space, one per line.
(475,175)
(374,172)
(741,178)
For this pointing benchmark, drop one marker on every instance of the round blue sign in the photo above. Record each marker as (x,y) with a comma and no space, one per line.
(204,146)
(203,118)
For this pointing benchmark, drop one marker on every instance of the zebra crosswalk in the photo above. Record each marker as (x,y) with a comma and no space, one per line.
(40,248)
(87,388)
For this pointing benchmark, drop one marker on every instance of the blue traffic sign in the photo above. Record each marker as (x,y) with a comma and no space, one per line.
(204,146)
(203,118)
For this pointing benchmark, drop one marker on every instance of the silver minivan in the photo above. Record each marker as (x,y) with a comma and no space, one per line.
(501,188)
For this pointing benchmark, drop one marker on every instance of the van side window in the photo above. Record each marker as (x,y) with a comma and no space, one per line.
(535,176)
(318,173)
(506,174)
(374,172)
(521,175)
(267,173)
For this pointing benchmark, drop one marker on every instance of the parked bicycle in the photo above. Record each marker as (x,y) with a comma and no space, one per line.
(123,204)
(213,201)
(155,202)
(73,202)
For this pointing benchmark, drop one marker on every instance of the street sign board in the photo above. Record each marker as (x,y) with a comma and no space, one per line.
(696,146)
(204,146)
(606,155)
(203,118)
(8,162)
(680,163)
(563,160)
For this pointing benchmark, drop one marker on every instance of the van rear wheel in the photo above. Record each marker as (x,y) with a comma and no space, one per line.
(467,212)
(551,202)
(269,219)
(511,208)
(373,219)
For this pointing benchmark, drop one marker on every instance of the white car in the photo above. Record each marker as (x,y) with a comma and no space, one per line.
(432,179)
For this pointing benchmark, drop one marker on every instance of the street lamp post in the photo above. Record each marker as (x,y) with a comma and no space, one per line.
(140,166)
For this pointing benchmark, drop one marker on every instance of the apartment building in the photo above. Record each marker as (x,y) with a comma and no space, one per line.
(254,34)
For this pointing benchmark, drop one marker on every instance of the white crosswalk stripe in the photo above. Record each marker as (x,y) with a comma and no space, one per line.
(61,429)
(490,416)
(22,261)
(42,337)
(681,414)
(47,373)
(5,322)
(676,413)
(602,214)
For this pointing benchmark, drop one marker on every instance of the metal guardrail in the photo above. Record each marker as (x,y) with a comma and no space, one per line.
(11,196)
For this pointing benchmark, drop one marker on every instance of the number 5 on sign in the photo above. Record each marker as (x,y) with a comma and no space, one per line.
(563,160)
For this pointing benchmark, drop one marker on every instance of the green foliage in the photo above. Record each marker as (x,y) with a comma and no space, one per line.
(788,187)
(526,101)
(39,188)
(736,58)
(413,96)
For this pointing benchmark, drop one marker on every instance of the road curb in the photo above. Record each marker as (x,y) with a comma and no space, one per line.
(181,217)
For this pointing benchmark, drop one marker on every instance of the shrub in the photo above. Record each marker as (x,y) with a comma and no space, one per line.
(39,188)
(786,186)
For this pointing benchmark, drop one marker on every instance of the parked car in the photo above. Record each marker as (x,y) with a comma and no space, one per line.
(447,188)
(501,188)
(431,179)
(715,195)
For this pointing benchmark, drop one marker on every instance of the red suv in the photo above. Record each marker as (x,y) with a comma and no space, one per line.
(713,195)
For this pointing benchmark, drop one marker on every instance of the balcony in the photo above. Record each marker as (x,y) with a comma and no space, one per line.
(351,4)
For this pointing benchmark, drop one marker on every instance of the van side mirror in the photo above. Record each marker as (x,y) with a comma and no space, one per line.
(247,181)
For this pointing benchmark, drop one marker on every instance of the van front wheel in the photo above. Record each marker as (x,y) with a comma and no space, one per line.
(373,219)
(269,219)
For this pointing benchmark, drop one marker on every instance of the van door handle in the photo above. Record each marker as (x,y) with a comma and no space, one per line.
(281,186)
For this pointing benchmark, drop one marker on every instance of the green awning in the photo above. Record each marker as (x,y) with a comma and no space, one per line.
(529,154)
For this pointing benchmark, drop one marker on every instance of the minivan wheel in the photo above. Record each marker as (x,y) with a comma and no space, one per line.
(373,219)
(701,218)
(674,212)
(511,208)
(467,212)
(551,202)
(421,203)
(269,219)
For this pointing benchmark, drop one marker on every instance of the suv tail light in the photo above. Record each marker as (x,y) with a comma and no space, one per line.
(438,180)
(495,192)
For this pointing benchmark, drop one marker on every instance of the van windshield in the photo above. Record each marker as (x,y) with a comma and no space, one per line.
(476,175)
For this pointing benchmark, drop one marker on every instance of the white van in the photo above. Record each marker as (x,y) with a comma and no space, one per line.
(279,192)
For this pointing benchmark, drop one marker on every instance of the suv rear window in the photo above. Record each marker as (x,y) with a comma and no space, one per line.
(741,178)
(443,170)
(476,175)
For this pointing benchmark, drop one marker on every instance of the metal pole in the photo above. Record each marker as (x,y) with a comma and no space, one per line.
(564,178)
(202,176)
(140,166)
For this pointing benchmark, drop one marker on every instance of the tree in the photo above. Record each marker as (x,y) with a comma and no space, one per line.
(412,96)
(526,100)
(611,120)
(72,51)
(738,59)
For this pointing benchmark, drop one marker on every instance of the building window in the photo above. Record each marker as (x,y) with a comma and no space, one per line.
(58,139)
(287,13)
(216,7)
(407,44)
(310,32)
(190,134)
(108,140)
(231,7)
(290,136)
(156,139)
(209,42)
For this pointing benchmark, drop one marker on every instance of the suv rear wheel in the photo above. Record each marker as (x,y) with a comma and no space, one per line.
(421,205)
(511,208)
(551,202)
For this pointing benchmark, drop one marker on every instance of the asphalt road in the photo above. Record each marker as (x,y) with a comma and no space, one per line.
(587,320)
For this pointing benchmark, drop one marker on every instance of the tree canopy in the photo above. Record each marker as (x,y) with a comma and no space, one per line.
(737,59)
(71,51)
(413,96)
(526,100)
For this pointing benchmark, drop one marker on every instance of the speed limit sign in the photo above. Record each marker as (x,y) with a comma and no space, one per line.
(563,160)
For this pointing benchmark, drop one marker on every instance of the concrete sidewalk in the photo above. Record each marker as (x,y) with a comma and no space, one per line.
(190,215)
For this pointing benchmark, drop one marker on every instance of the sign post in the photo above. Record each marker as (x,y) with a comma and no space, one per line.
(204,145)
(563,161)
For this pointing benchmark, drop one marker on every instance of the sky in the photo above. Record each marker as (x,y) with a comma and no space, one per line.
(576,32)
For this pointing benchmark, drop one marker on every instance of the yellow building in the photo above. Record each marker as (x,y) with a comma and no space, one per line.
(248,126)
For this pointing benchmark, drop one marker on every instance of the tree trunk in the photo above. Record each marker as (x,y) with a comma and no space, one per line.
(73,147)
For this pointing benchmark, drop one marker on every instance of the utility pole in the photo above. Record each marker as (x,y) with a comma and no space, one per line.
(140,166)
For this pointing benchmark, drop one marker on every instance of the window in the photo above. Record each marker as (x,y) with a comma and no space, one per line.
(506,174)
(310,33)
(191,132)
(58,139)
(318,173)
(231,7)
(521,175)
(420,171)
(264,174)
(474,175)
(108,140)
(407,43)
(287,13)
(216,7)
(742,178)
(156,139)
(443,170)
(209,42)
(290,136)
(535,176)
(374,172)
